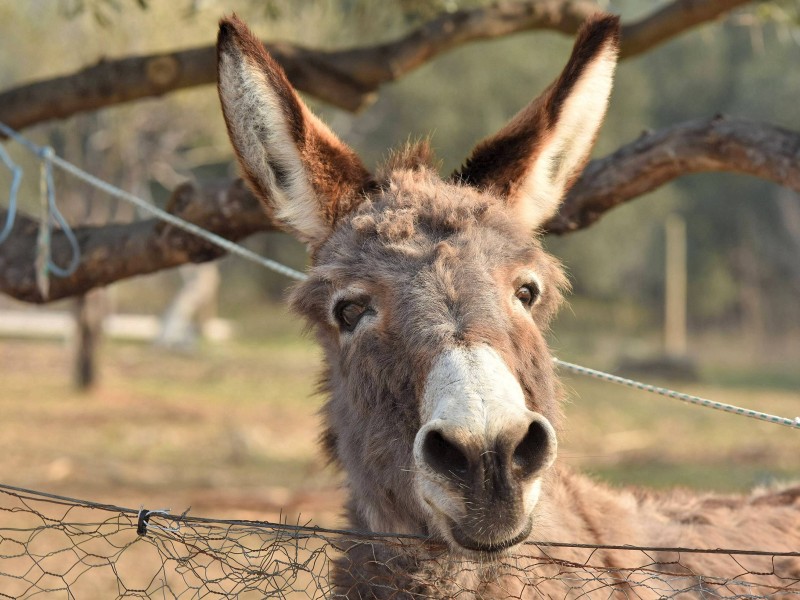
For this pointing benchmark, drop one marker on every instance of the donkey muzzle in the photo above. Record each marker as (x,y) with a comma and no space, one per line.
(481,452)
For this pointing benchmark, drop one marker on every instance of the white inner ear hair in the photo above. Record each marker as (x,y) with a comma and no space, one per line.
(261,134)
(570,141)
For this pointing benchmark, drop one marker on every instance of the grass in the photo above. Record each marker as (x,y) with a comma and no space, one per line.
(632,437)
(231,430)
(768,379)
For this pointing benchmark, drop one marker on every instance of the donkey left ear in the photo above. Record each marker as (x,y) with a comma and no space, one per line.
(304,176)
(539,154)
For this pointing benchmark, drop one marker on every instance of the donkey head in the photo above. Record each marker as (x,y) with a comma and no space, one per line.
(429,297)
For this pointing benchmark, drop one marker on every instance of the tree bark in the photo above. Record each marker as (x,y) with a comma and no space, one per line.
(717,144)
(193,304)
(349,78)
(113,252)
(90,311)
(119,251)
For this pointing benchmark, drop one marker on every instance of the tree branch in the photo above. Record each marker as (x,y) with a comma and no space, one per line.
(717,144)
(110,253)
(348,79)
(671,20)
(114,252)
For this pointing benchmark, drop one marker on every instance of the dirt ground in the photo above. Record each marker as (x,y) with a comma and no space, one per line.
(215,433)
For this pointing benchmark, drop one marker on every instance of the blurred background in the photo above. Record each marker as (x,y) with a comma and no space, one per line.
(202,393)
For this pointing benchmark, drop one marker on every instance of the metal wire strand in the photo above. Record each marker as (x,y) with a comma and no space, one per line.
(239,250)
(688,398)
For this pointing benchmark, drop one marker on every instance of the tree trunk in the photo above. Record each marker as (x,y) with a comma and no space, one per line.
(194,304)
(90,311)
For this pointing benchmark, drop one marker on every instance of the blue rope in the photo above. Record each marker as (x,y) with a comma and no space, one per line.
(146,207)
(16,179)
(54,217)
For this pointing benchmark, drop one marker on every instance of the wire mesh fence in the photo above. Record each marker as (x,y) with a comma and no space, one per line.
(57,547)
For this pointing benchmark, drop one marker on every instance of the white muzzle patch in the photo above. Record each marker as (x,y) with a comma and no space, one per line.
(472,399)
(473,389)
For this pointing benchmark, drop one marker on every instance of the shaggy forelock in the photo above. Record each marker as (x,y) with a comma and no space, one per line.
(414,197)
(414,216)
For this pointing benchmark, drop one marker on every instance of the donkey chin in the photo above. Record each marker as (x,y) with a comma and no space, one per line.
(480,453)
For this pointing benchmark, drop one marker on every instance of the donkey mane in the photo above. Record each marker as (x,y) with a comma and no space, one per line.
(413,155)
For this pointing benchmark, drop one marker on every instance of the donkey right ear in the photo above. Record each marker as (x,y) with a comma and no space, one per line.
(305,177)
(538,155)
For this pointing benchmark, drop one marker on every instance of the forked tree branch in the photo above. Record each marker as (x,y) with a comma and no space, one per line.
(114,252)
(348,79)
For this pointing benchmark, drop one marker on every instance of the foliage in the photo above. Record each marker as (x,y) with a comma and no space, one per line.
(103,11)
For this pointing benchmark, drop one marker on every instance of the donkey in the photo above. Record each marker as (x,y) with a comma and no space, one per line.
(430,299)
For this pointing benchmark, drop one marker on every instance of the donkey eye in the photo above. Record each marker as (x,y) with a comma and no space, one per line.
(527,294)
(349,313)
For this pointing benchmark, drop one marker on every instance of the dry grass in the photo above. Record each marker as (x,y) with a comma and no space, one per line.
(231,430)
(228,431)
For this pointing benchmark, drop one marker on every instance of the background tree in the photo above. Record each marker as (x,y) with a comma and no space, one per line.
(743,234)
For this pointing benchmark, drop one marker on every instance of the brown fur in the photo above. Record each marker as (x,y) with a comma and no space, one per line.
(363,390)
(435,265)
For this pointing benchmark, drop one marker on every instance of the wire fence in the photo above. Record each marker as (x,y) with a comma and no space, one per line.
(59,547)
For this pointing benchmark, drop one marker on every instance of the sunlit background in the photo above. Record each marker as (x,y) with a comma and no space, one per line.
(226,422)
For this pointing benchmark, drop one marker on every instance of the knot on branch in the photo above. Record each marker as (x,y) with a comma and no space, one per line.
(162,71)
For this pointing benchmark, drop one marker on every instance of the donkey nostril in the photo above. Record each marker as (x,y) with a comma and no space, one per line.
(443,456)
(532,452)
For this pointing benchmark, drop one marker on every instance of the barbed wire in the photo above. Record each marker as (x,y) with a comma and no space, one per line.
(53,544)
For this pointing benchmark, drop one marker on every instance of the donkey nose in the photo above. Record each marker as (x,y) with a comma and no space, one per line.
(445,456)
(535,451)
(518,451)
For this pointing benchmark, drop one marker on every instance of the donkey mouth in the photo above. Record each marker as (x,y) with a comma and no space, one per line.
(468,543)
